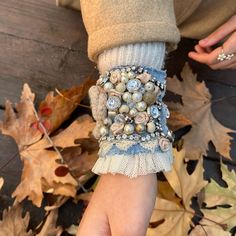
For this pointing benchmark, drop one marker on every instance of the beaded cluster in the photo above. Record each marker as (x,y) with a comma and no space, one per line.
(135,110)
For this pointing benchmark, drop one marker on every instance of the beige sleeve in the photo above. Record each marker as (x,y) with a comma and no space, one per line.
(117,22)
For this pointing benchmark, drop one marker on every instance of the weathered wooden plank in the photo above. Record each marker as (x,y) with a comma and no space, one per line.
(42,66)
(43,21)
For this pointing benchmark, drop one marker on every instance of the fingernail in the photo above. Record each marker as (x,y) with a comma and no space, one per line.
(203,41)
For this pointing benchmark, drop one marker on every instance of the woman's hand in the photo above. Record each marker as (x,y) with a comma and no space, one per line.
(120,206)
(206,55)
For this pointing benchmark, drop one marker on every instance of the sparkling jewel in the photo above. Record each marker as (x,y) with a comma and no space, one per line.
(164,144)
(127,97)
(141,106)
(151,127)
(120,118)
(124,109)
(153,111)
(133,112)
(137,96)
(133,85)
(103,130)
(129,129)
(108,86)
(113,103)
(107,121)
(149,86)
(120,87)
(140,128)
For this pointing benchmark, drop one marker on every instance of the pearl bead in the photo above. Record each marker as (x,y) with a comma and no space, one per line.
(149,98)
(133,112)
(129,129)
(140,128)
(127,97)
(137,96)
(124,109)
(151,127)
(108,86)
(149,86)
(107,121)
(141,106)
(120,87)
(103,131)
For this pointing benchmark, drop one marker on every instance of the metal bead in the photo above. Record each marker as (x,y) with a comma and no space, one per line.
(140,128)
(137,96)
(151,127)
(120,87)
(107,121)
(141,106)
(108,86)
(149,86)
(113,103)
(103,130)
(124,109)
(127,97)
(133,112)
(129,129)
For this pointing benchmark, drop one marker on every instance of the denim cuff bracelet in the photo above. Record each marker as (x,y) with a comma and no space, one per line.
(131,121)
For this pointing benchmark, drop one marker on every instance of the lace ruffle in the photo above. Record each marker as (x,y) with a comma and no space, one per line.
(132,159)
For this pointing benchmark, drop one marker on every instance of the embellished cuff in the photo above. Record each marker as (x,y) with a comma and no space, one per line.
(131,121)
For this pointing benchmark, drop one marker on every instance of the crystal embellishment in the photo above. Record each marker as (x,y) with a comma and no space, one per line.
(113,103)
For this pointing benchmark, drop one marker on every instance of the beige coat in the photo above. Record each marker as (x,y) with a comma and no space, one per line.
(111,23)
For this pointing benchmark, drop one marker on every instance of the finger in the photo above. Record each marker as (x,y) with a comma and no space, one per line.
(225,65)
(199,49)
(220,33)
(206,58)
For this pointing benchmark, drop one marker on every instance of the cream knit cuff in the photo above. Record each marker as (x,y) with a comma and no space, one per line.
(151,54)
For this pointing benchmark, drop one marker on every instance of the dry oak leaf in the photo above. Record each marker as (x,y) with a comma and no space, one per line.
(54,110)
(49,227)
(19,124)
(197,108)
(205,230)
(13,224)
(41,161)
(215,195)
(169,217)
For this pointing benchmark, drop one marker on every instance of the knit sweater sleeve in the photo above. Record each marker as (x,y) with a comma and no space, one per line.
(113,23)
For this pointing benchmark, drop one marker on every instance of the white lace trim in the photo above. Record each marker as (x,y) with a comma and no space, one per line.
(135,165)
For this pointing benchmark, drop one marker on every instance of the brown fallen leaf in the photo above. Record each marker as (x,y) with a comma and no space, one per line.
(13,223)
(216,196)
(48,227)
(197,108)
(40,163)
(54,110)
(170,218)
(19,124)
(204,230)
